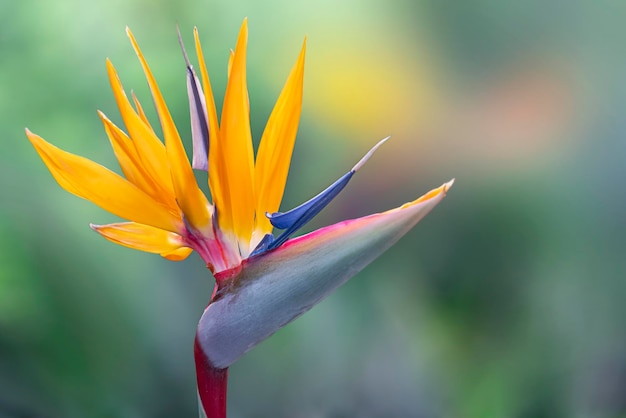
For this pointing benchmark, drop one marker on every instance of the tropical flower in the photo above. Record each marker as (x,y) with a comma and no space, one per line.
(263,281)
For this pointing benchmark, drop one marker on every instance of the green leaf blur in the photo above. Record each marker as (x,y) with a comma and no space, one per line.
(506,301)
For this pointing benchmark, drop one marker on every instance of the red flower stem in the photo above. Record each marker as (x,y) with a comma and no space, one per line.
(212,385)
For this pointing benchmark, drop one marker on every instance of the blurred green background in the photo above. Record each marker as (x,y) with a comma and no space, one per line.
(506,301)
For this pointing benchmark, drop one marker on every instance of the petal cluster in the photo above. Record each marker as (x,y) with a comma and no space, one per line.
(167,213)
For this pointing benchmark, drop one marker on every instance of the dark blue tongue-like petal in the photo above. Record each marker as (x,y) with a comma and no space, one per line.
(296,218)
(263,245)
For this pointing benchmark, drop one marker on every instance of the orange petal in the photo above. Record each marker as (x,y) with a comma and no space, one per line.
(141,237)
(178,255)
(149,148)
(140,111)
(111,192)
(231,57)
(236,146)
(217,172)
(275,149)
(131,164)
(190,198)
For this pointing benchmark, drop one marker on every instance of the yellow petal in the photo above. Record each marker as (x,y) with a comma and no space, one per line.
(141,237)
(149,148)
(178,255)
(275,149)
(236,146)
(131,164)
(111,192)
(231,57)
(140,111)
(441,190)
(190,198)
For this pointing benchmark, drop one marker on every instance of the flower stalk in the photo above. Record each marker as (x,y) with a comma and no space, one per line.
(212,386)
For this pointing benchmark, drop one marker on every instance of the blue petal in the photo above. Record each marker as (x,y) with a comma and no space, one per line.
(263,245)
(296,218)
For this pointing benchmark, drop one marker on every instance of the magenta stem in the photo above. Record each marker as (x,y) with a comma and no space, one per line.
(212,385)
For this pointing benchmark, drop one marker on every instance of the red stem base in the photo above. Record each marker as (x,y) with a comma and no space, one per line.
(212,385)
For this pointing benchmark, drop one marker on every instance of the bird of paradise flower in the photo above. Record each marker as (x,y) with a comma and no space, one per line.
(262,281)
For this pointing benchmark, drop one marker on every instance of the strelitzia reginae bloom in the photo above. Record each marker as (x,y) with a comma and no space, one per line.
(264,279)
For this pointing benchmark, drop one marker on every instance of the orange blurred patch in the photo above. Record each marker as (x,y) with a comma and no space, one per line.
(521,113)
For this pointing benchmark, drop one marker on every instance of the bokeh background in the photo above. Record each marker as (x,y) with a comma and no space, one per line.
(506,301)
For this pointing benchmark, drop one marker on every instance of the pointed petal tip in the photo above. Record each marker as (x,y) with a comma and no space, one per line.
(111,69)
(244,27)
(182,46)
(129,33)
(33,137)
(438,194)
(300,62)
(369,154)
(102,116)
